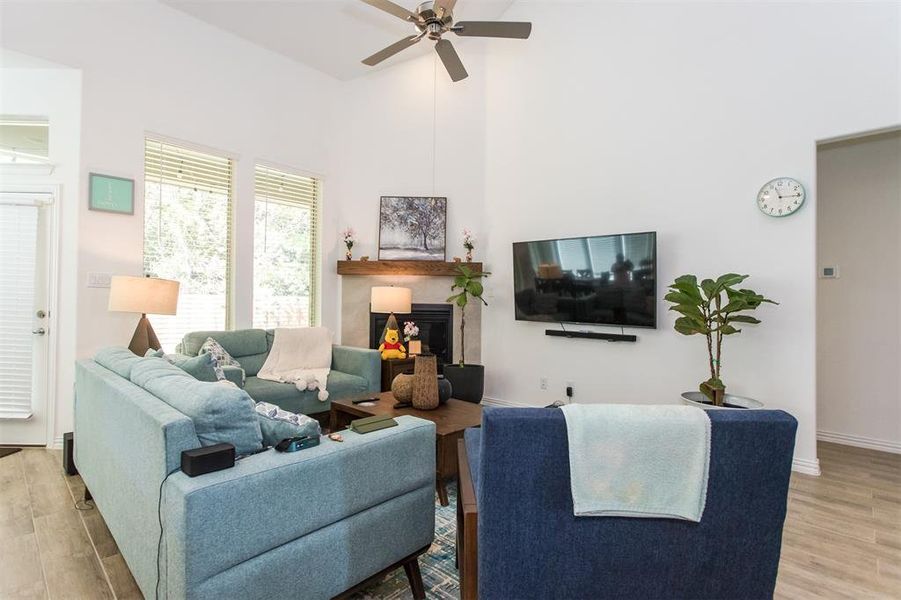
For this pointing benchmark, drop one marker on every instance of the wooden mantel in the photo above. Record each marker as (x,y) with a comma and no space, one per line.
(403,267)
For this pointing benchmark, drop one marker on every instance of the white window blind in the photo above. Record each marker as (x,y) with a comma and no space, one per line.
(286,241)
(18,256)
(187,235)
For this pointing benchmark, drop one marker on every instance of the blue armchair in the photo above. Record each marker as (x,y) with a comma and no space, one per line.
(529,544)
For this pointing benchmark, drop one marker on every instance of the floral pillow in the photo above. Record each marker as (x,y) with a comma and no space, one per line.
(214,348)
(277,424)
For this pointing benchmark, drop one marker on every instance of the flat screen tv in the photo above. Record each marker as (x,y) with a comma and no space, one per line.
(601,280)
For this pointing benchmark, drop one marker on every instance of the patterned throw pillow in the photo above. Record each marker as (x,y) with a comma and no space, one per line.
(203,367)
(277,424)
(223,358)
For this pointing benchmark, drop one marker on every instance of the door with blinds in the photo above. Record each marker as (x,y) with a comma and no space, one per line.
(24,320)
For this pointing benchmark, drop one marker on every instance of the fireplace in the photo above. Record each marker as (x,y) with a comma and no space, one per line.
(436,329)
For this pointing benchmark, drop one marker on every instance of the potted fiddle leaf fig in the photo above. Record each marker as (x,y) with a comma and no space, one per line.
(467,380)
(713,309)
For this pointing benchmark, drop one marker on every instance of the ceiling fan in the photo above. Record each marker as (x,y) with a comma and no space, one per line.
(434,19)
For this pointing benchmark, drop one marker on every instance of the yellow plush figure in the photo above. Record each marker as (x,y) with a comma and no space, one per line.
(391,347)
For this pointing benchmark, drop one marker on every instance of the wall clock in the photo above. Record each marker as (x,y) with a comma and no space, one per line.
(780,197)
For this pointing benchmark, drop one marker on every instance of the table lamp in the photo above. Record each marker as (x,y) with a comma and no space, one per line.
(390,300)
(145,295)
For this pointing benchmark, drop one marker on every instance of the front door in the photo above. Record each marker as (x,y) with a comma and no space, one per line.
(25,333)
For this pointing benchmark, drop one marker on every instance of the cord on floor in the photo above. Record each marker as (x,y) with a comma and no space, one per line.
(84,505)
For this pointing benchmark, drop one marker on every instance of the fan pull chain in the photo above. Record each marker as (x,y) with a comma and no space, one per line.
(434,120)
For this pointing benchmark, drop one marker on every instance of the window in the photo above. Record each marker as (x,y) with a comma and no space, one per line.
(285,249)
(187,235)
(24,140)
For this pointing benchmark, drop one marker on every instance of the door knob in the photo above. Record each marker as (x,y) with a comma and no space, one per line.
(39,331)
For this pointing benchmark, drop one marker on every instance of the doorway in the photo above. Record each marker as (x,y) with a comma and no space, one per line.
(26,225)
(859,291)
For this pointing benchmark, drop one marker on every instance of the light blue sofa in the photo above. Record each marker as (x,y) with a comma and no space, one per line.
(310,524)
(354,370)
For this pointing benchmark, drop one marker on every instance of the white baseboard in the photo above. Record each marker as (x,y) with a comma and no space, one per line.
(859,441)
(56,444)
(806,466)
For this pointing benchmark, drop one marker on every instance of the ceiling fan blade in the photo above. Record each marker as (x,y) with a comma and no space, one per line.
(394,9)
(451,60)
(497,29)
(444,7)
(391,50)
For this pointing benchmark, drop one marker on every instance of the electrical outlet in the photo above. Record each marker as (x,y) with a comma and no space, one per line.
(542,383)
(570,390)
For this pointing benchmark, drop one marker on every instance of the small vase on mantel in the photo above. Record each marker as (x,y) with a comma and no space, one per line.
(349,255)
(469,256)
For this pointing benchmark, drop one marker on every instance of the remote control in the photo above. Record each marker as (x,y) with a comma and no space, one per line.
(361,400)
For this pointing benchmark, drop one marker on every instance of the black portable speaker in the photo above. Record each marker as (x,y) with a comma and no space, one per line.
(207,459)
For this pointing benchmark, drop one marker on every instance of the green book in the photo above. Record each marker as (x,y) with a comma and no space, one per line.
(370,424)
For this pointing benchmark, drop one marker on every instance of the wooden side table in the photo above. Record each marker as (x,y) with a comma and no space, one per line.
(393,367)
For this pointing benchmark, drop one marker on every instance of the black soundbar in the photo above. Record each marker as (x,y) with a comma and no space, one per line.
(592,335)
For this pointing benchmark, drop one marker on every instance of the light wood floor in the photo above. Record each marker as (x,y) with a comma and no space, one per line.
(842,537)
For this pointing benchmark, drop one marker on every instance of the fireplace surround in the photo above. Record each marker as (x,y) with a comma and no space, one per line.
(356,291)
(436,328)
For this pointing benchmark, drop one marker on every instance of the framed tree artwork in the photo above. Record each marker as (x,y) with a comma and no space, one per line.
(412,228)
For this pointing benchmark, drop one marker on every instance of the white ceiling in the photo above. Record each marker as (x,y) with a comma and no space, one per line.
(332,36)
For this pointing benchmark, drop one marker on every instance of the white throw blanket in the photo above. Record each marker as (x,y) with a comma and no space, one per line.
(302,356)
(638,461)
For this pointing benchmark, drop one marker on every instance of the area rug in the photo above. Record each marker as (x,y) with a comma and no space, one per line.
(8,451)
(439,575)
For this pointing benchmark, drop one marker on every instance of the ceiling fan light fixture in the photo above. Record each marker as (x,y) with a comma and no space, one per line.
(434,18)
(434,31)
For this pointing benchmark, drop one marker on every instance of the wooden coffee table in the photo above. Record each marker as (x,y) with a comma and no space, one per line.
(450,420)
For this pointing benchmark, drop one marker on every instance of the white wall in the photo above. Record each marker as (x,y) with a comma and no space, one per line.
(37,88)
(386,136)
(859,314)
(149,68)
(663,117)
(669,117)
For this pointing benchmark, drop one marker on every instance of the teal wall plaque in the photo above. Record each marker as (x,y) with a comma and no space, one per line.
(111,194)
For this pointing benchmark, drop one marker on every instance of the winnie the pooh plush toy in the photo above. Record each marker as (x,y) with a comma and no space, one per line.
(391,347)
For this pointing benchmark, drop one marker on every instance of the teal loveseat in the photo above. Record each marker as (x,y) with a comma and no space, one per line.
(354,370)
(308,525)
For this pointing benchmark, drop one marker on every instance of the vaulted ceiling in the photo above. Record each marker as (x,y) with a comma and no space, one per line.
(332,36)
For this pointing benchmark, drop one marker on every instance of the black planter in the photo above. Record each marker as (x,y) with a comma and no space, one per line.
(468,381)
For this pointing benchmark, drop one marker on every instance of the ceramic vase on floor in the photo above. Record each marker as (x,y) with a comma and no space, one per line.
(445,390)
(425,382)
